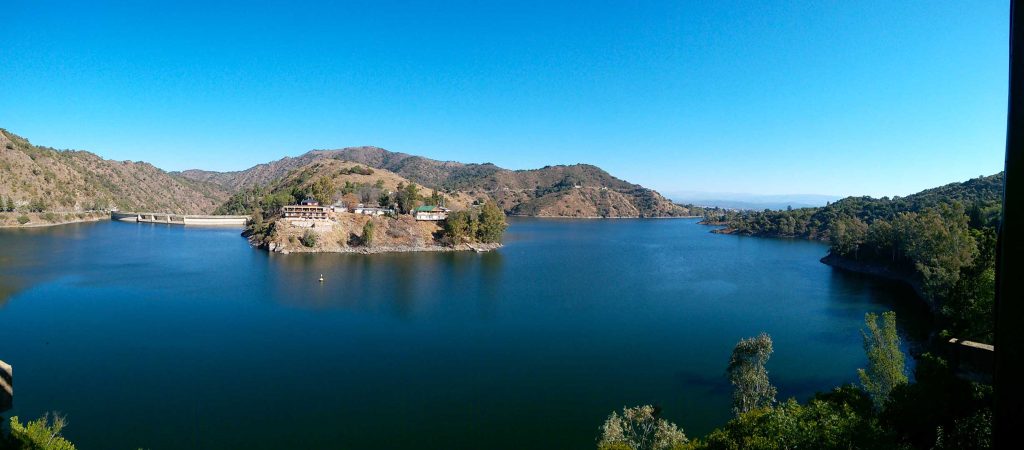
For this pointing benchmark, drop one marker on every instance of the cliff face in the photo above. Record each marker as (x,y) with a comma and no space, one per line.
(72,181)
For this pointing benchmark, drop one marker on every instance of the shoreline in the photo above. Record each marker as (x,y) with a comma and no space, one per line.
(53,224)
(877,271)
(599,217)
(479,248)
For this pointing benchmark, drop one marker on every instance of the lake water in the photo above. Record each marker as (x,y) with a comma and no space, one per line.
(167,337)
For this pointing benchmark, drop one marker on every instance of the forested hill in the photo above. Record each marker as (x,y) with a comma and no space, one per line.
(941,241)
(980,197)
(557,191)
(42,179)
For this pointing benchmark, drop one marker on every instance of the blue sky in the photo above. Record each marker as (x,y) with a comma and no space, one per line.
(845,97)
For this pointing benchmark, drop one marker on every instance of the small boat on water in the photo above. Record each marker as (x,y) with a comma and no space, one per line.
(321,278)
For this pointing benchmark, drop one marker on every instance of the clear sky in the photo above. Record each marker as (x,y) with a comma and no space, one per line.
(828,97)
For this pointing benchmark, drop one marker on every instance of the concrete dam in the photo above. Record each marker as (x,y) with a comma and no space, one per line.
(179,219)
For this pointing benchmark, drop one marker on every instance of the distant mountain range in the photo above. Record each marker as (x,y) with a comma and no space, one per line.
(751,201)
(79,180)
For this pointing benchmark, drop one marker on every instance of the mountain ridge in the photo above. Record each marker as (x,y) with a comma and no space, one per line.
(578,190)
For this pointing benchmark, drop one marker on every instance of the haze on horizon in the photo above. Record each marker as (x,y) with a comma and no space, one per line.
(852,98)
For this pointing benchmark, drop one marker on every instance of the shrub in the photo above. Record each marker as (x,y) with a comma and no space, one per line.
(23,219)
(308,238)
(50,217)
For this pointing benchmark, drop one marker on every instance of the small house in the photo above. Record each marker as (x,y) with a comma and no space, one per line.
(430,212)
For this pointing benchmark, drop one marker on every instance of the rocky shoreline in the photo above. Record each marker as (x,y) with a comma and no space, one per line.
(273,247)
(39,223)
(883,272)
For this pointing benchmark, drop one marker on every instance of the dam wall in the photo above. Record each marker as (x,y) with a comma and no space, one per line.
(179,219)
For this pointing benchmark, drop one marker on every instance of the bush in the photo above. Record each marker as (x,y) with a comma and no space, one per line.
(50,217)
(308,238)
(23,219)
(368,229)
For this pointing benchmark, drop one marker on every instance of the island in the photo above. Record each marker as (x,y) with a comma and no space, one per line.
(309,227)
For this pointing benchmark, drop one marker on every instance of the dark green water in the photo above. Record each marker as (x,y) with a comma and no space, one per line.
(164,337)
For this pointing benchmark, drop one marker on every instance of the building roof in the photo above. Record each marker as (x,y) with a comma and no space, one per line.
(427,208)
(309,201)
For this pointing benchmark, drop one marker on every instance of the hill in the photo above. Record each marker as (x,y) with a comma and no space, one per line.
(349,181)
(42,179)
(555,191)
(980,196)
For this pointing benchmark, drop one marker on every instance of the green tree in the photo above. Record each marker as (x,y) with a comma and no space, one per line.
(751,387)
(492,223)
(37,205)
(368,231)
(459,227)
(322,190)
(886,365)
(407,197)
(848,234)
(940,244)
(40,434)
(384,200)
(639,428)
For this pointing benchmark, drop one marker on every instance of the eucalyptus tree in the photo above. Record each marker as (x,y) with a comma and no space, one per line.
(751,387)
(886,363)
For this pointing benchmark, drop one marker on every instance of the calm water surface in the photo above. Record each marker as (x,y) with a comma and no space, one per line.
(164,337)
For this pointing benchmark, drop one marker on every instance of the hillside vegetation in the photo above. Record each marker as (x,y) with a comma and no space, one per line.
(38,179)
(329,180)
(555,191)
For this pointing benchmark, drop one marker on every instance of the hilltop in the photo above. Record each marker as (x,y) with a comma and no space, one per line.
(352,182)
(41,179)
(579,190)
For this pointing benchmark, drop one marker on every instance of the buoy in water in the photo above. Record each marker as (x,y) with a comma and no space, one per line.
(321,278)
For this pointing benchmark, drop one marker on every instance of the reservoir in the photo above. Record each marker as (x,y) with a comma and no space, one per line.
(170,337)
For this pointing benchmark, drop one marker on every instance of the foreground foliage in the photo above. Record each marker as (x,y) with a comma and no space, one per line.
(43,433)
(938,410)
(886,364)
(640,428)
